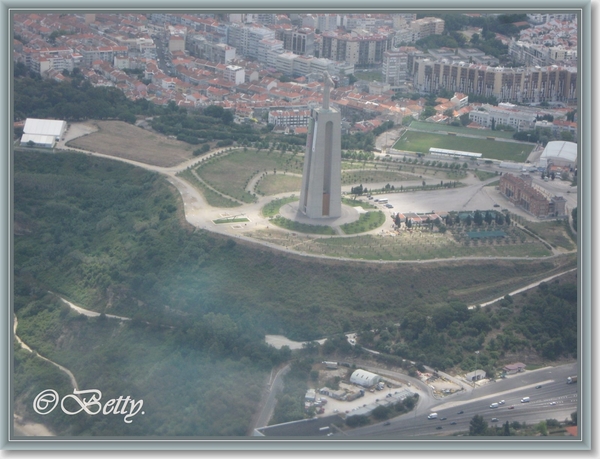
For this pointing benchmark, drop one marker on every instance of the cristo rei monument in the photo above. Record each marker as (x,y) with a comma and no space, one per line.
(321,193)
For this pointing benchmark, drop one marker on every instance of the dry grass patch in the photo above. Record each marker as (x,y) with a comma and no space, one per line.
(123,140)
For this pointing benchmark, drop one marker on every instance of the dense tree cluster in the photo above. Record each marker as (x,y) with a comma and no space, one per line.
(212,124)
(74,101)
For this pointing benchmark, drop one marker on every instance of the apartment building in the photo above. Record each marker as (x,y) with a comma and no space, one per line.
(362,49)
(522,84)
(289,118)
(394,67)
(506,114)
(428,26)
(235,74)
(246,38)
(298,40)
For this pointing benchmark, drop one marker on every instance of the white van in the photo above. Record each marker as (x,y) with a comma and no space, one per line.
(524,399)
(432,416)
(494,405)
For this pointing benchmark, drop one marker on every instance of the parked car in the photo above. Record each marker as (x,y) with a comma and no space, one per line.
(386,423)
(494,419)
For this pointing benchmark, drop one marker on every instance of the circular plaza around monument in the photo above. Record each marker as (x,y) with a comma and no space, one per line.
(348,215)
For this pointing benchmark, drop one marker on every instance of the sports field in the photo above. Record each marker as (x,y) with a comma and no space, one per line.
(443,128)
(492,149)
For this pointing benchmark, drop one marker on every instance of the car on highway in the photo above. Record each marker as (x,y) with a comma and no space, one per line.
(386,423)
(538,387)
(552,403)
(442,419)
(494,419)
(460,412)
(496,205)
(439,428)
(511,407)
(501,402)
(453,423)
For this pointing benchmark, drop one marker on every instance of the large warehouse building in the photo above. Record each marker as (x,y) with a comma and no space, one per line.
(364,378)
(43,133)
(559,153)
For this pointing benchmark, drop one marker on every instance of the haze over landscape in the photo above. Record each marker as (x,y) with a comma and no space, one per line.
(306,225)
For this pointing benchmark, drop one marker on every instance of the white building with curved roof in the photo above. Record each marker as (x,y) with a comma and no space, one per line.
(364,378)
(559,153)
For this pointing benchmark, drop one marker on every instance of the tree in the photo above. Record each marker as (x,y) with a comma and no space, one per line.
(506,431)
(574,216)
(488,217)
(542,428)
(464,119)
(429,111)
(566,136)
(478,218)
(478,426)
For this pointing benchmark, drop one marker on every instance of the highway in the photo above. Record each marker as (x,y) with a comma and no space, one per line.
(512,389)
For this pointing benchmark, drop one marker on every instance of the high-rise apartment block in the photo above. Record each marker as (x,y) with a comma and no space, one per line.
(360,49)
(394,67)
(512,84)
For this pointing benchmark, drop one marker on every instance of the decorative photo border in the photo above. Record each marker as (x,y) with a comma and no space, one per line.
(9,441)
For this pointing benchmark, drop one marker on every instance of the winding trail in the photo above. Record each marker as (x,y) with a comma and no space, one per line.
(27,348)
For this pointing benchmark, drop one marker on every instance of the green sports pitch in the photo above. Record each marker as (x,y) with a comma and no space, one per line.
(491,149)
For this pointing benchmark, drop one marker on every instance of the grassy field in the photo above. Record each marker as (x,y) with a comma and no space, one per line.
(123,140)
(555,232)
(278,183)
(291,225)
(483,175)
(417,245)
(272,208)
(230,174)
(435,127)
(212,198)
(421,142)
(366,222)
